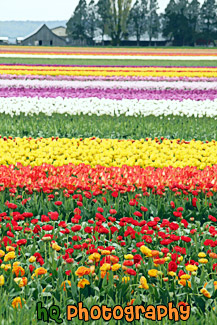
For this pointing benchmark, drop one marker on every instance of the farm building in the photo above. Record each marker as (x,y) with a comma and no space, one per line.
(43,36)
(132,41)
(60,31)
(3,40)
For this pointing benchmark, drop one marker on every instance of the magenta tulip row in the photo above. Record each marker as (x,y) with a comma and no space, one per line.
(110,93)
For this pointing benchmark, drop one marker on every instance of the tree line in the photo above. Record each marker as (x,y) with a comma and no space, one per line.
(182,23)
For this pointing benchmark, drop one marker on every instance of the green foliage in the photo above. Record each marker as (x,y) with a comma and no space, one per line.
(208,20)
(77,24)
(186,22)
(91,21)
(111,62)
(178,18)
(123,127)
(183,22)
(137,21)
(103,15)
(153,22)
(193,20)
(119,12)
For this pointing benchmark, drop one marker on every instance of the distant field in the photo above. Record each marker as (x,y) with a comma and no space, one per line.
(110,62)
(111,56)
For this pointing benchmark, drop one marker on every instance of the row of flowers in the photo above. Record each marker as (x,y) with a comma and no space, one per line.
(108,152)
(125,179)
(105,84)
(103,68)
(111,93)
(5,76)
(181,181)
(105,106)
(117,51)
(108,56)
(110,71)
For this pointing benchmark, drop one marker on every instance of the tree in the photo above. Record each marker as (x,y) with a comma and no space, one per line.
(103,12)
(137,19)
(168,20)
(193,13)
(208,20)
(77,24)
(118,16)
(91,21)
(176,22)
(153,22)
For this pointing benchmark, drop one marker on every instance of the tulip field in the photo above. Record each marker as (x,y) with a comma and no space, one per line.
(108,182)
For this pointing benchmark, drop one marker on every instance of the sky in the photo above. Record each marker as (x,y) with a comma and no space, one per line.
(43,9)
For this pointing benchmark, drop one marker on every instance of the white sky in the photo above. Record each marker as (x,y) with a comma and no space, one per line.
(43,9)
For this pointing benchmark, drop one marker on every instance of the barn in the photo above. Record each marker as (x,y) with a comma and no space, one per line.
(43,36)
(3,40)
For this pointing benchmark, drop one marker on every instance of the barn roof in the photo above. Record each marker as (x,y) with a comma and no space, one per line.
(55,30)
(58,27)
(144,37)
(3,38)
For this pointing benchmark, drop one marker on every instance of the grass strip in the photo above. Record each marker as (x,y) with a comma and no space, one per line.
(122,127)
(110,62)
